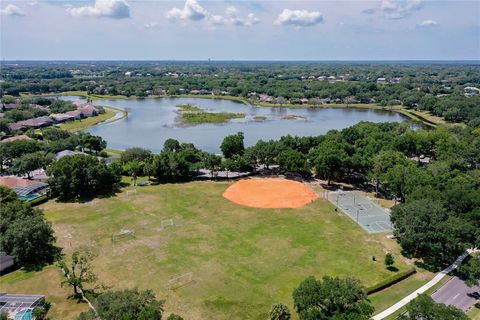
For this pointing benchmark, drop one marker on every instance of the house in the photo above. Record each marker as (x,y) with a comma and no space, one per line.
(77,115)
(15,138)
(265,98)
(88,110)
(471,91)
(25,189)
(40,122)
(64,153)
(17,127)
(332,78)
(381,80)
(322,78)
(20,306)
(128,74)
(11,106)
(304,100)
(62,117)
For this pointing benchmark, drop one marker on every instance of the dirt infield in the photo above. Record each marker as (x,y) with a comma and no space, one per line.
(270,193)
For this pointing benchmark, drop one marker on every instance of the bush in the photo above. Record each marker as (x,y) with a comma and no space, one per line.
(391,281)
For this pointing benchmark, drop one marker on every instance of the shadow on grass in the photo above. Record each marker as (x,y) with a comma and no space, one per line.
(392,269)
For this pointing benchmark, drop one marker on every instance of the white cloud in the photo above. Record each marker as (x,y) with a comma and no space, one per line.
(427,24)
(116,9)
(192,10)
(12,11)
(399,9)
(150,25)
(299,18)
(233,17)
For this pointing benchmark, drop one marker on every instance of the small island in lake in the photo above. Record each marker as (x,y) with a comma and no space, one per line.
(191,115)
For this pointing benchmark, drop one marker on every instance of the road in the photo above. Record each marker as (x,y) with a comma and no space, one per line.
(456,293)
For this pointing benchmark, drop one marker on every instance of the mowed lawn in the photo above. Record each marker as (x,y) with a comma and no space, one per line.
(241,260)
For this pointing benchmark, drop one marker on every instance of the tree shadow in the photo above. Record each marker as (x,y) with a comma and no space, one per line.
(392,269)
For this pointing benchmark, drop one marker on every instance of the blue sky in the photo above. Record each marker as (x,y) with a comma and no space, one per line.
(240,30)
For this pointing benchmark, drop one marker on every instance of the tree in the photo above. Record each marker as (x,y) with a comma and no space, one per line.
(331,298)
(400,180)
(40,313)
(92,143)
(389,260)
(7,194)
(329,160)
(423,307)
(213,163)
(173,316)
(171,145)
(426,229)
(263,153)
(280,311)
(471,270)
(80,176)
(135,154)
(26,235)
(293,161)
(30,162)
(134,169)
(80,271)
(129,304)
(384,161)
(233,145)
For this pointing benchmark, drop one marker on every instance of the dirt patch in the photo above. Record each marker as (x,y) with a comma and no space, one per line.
(270,193)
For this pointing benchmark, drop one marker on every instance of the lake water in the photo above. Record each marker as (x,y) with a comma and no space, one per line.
(151,121)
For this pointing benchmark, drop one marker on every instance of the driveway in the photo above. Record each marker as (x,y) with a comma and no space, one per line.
(456,293)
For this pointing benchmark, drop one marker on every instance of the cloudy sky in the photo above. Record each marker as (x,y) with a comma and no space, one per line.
(240,30)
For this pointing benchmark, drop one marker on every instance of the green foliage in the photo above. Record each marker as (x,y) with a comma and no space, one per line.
(389,260)
(92,143)
(232,145)
(129,304)
(79,176)
(30,162)
(423,307)
(7,195)
(280,311)
(331,298)
(135,154)
(79,272)
(40,313)
(291,160)
(330,160)
(26,235)
(173,316)
(471,270)
(390,281)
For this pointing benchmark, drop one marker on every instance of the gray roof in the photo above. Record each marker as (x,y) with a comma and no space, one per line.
(15,303)
(65,153)
(26,190)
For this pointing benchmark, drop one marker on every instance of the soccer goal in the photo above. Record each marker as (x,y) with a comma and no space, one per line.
(131,192)
(123,234)
(180,281)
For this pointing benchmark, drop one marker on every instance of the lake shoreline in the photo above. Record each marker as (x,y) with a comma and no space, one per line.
(418,116)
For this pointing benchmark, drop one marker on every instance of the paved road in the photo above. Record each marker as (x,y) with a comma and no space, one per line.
(400,304)
(456,293)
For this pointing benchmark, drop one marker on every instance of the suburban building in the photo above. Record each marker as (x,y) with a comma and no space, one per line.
(15,138)
(62,117)
(25,189)
(381,80)
(40,122)
(20,306)
(64,153)
(6,262)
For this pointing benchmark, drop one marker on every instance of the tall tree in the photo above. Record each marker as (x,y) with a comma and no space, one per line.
(232,145)
(331,298)
(423,307)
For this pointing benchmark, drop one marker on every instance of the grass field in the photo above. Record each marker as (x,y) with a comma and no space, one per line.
(241,259)
(79,125)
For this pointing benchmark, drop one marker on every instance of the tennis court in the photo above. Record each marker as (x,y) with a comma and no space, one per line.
(369,215)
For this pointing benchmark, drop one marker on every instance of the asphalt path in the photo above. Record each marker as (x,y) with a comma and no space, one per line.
(456,293)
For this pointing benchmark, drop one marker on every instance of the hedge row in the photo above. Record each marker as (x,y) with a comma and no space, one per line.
(391,281)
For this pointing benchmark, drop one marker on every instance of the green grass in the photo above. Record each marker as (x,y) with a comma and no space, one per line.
(194,115)
(79,125)
(242,259)
(474,313)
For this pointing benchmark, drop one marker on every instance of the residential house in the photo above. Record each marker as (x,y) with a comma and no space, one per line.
(381,80)
(40,122)
(64,153)
(25,189)
(62,117)
(16,127)
(77,115)
(88,110)
(15,138)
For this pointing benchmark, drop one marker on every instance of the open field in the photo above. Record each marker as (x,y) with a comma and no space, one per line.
(235,260)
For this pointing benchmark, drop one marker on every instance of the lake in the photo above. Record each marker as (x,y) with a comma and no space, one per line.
(151,121)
